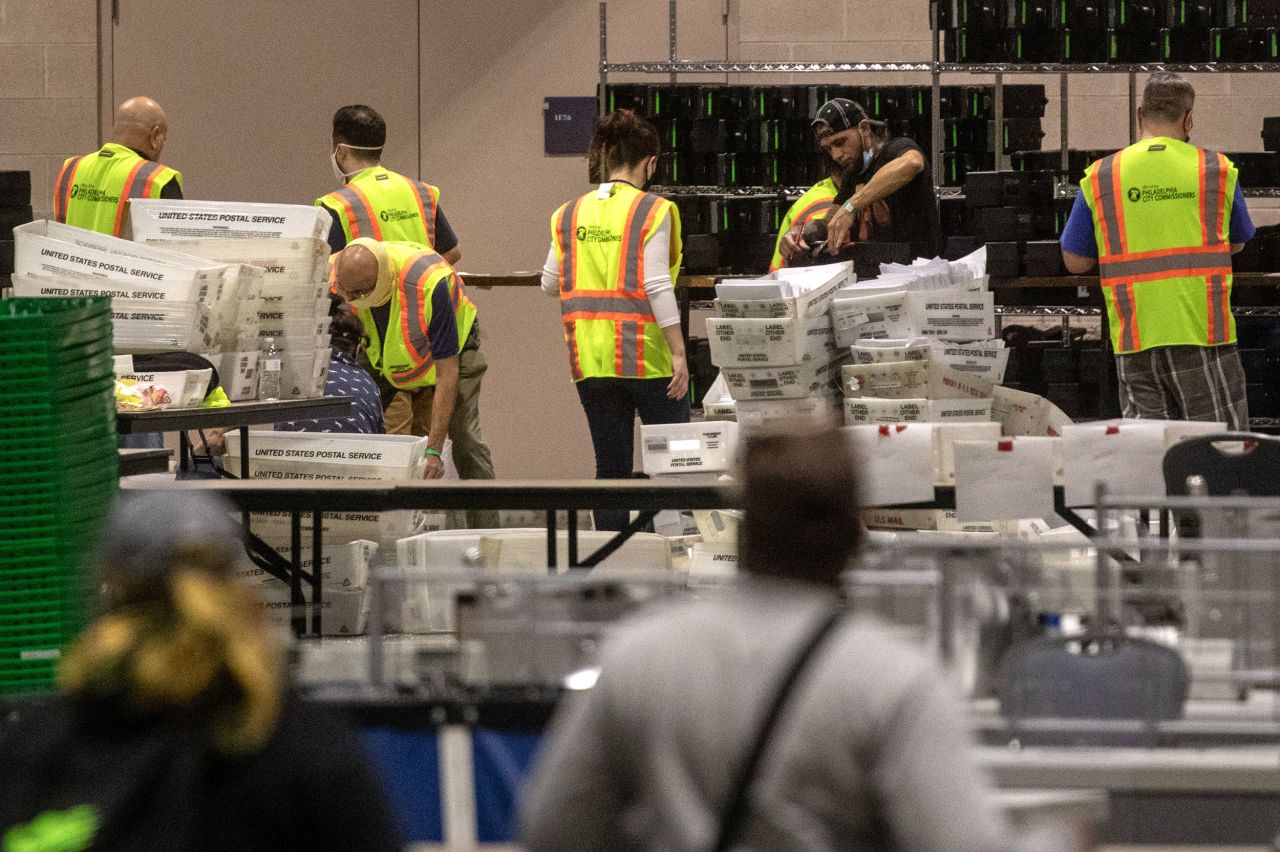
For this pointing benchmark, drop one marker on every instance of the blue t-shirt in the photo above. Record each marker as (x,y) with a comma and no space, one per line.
(346,379)
(1078,235)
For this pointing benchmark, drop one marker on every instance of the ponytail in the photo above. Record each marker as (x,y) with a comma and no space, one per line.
(201,644)
(621,140)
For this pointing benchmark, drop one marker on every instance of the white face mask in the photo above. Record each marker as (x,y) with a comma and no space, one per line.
(866,158)
(337,170)
(381,292)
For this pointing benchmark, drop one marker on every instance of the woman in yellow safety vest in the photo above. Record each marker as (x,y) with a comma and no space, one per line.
(614,256)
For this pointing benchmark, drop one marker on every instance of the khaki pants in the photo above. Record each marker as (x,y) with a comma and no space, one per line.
(409,413)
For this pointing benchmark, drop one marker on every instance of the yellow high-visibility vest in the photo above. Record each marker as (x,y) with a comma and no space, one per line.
(91,191)
(814,204)
(609,325)
(1162,217)
(403,356)
(386,206)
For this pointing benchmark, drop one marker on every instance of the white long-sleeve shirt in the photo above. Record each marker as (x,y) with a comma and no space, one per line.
(657,283)
(870,754)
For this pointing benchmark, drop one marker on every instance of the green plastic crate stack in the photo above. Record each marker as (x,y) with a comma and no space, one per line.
(59,473)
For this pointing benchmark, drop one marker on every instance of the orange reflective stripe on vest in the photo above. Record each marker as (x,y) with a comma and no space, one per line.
(426,208)
(62,188)
(415,332)
(1106,193)
(629,354)
(566,237)
(136,185)
(1166,263)
(821,205)
(360,214)
(1213,189)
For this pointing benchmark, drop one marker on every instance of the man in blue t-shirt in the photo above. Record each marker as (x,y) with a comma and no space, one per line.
(1191,381)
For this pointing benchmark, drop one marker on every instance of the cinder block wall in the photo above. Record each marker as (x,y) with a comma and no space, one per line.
(48,88)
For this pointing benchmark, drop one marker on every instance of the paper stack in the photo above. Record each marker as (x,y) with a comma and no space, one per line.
(774,344)
(285,243)
(319,457)
(920,336)
(161,300)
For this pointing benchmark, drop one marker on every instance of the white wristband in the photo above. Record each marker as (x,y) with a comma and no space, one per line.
(849,207)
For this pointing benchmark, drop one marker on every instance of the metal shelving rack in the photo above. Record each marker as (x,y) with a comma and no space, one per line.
(935,68)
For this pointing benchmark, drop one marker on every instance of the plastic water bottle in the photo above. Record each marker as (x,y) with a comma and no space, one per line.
(269,375)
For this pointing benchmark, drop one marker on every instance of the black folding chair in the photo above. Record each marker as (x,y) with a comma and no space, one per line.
(1232,463)
(1231,596)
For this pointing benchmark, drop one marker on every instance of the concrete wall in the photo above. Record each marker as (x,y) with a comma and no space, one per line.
(482,142)
(48,88)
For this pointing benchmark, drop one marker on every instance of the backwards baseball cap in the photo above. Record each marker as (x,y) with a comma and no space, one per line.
(836,115)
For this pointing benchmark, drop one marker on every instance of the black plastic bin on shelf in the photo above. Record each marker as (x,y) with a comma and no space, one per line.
(1257,364)
(961,245)
(993,224)
(1004,259)
(12,217)
(1257,168)
(1042,259)
(1262,399)
(975,45)
(695,214)
(15,189)
(953,215)
(995,189)
(1067,396)
(1271,133)
(701,254)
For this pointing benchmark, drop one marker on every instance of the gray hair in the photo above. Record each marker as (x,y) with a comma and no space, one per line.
(1167,97)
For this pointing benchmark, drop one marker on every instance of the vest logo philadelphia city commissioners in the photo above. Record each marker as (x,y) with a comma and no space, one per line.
(595,234)
(397,215)
(89,193)
(1155,192)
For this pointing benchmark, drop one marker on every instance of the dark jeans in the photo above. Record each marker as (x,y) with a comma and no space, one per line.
(611,406)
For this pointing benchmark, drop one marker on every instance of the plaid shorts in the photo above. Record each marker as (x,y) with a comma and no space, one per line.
(1184,383)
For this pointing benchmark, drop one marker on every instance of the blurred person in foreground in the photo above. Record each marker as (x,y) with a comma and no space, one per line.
(174,729)
(870,750)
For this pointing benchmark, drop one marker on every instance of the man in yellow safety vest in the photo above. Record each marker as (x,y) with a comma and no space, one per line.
(93,191)
(1161,219)
(422,341)
(376,202)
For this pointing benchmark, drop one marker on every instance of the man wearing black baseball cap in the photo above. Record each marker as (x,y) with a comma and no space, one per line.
(886,190)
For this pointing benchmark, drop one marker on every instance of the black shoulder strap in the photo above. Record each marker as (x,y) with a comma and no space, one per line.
(732,820)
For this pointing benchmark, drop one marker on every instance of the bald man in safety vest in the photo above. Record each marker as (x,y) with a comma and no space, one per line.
(1161,219)
(424,343)
(93,191)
